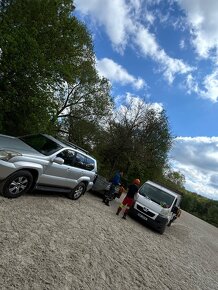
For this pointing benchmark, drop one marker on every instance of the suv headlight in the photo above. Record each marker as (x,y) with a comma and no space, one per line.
(6,155)
(164,212)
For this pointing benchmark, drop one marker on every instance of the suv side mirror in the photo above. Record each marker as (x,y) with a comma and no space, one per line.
(58,160)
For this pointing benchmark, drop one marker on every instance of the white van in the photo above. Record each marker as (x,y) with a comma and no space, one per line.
(156,204)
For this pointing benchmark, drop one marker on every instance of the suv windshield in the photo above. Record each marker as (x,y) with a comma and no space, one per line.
(41,143)
(157,195)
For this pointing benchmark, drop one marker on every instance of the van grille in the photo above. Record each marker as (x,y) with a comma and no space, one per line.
(145,210)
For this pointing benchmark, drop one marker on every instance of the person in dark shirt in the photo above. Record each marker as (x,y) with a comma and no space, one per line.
(176,213)
(115,182)
(129,198)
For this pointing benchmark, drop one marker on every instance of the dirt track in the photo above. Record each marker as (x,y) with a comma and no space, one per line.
(50,242)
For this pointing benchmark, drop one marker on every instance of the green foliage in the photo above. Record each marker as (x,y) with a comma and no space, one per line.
(44,47)
(201,207)
(172,179)
(136,142)
(212,214)
(86,102)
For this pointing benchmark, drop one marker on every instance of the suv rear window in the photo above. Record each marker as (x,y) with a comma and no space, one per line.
(41,143)
(84,162)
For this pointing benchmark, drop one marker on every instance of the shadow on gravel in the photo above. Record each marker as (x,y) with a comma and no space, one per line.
(37,193)
(41,193)
(95,193)
(143,223)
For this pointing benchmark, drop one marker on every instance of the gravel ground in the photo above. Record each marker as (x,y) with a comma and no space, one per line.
(50,242)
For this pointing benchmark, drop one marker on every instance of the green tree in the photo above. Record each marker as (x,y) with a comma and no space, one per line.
(44,48)
(173,179)
(137,141)
(213,215)
(83,104)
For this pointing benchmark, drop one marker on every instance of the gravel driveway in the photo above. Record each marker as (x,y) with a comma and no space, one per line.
(50,242)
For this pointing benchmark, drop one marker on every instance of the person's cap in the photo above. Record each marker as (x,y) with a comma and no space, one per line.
(136,181)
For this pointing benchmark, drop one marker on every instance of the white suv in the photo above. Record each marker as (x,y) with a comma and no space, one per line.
(45,163)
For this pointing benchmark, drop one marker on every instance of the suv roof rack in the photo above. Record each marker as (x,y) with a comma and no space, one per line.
(72,145)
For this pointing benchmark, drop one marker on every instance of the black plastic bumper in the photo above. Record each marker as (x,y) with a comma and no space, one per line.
(159,223)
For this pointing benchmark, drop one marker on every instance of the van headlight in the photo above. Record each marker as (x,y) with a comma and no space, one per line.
(6,155)
(164,212)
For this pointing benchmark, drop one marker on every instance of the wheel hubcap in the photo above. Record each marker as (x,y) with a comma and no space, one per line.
(18,185)
(78,191)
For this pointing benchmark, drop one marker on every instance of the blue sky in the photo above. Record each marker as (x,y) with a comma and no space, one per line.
(166,53)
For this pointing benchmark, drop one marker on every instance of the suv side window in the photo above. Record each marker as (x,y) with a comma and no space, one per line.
(90,164)
(68,156)
(80,161)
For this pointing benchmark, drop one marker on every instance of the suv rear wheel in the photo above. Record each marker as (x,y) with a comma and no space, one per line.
(77,191)
(17,184)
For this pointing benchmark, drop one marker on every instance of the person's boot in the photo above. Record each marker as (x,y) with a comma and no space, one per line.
(107,202)
(118,210)
(124,216)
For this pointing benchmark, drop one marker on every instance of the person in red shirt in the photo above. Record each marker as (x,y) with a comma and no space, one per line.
(129,198)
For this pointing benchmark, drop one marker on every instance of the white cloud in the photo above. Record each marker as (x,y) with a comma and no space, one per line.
(149,47)
(202,16)
(117,74)
(197,159)
(191,85)
(113,15)
(123,24)
(136,100)
(150,18)
(131,105)
(210,84)
(182,44)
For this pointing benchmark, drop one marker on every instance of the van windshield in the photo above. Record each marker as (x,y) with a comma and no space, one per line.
(41,144)
(157,195)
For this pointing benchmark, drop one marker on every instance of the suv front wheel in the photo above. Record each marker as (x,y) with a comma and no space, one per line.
(77,191)
(17,184)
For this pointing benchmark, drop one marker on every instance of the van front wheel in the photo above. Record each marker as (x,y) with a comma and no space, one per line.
(162,230)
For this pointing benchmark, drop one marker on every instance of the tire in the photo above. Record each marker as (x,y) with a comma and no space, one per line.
(171,221)
(162,230)
(77,191)
(17,184)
